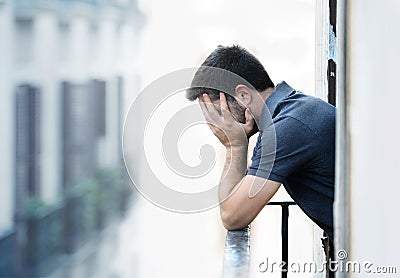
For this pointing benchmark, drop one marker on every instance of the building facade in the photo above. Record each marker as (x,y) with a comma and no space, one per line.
(67,68)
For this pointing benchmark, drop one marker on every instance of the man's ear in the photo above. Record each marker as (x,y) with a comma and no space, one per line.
(243,94)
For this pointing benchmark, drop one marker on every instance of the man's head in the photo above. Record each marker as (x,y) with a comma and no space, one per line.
(239,61)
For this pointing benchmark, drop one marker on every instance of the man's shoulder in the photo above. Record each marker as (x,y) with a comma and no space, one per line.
(304,111)
(300,102)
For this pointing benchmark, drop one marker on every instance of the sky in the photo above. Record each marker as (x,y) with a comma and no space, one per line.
(180,34)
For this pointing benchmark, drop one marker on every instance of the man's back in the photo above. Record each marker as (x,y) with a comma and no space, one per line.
(305,152)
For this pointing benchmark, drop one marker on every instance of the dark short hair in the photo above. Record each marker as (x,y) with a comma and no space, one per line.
(233,59)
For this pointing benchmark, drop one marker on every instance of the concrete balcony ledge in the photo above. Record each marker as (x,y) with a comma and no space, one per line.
(237,253)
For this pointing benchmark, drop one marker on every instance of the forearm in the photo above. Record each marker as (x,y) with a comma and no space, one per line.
(234,170)
(242,196)
(234,136)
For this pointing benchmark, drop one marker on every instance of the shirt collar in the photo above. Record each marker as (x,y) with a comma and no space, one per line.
(282,91)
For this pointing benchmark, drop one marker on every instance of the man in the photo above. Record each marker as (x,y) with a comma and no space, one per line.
(295,147)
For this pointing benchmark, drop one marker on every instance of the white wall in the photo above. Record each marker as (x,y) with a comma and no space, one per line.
(6,118)
(374,100)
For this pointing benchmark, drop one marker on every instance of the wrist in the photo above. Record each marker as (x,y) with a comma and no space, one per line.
(237,148)
(236,160)
(237,144)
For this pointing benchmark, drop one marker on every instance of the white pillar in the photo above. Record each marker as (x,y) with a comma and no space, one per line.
(321,91)
(374,97)
(45,57)
(128,62)
(321,48)
(7,112)
(79,50)
(106,68)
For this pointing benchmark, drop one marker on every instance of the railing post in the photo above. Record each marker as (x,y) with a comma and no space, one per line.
(285,216)
(285,231)
(237,247)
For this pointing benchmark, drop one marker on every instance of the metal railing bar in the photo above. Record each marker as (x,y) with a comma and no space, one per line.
(284,231)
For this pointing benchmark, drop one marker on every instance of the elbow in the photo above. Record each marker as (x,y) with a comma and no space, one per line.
(233,221)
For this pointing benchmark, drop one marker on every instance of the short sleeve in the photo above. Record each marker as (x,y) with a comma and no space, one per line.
(282,149)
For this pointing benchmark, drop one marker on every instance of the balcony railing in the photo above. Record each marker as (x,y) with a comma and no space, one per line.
(237,247)
(237,253)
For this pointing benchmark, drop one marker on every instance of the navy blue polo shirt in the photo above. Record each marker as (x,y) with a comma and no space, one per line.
(296,147)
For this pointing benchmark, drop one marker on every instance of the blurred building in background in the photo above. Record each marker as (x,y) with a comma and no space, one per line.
(67,72)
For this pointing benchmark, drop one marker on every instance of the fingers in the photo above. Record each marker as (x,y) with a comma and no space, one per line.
(211,114)
(212,111)
(203,108)
(206,115)
(210,122)
(225,112)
